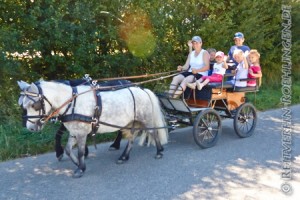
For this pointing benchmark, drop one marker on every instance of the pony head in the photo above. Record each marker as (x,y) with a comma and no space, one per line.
(33,101)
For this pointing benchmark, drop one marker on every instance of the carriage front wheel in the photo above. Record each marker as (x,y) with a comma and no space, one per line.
(207,128)
(245,120)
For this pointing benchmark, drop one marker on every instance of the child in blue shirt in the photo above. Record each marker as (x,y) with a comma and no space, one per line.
(239,44)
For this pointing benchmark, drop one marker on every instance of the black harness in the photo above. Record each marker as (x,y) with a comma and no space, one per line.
(95,120)
(82,118)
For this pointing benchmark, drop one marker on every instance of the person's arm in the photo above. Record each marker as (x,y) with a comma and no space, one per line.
(256,75)
(190,44)
(230,56)
(225,63)
(186,65)
(246,65)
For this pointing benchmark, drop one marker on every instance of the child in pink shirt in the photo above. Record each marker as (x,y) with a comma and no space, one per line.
(254,69)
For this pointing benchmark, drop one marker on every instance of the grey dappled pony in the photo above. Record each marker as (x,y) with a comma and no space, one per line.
(127,109)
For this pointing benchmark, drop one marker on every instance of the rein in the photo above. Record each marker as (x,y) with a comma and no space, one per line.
(131,128)
(106,87)
(135,77)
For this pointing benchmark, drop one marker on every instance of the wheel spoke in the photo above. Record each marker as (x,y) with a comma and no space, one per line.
(211,126)
(204,122)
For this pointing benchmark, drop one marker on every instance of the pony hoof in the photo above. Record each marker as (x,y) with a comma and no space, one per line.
(122,160)
(158,156)
(59,158)
(78,173)
(119,162)
(113,148)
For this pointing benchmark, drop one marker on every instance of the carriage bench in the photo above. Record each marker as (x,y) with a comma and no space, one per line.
(223,96)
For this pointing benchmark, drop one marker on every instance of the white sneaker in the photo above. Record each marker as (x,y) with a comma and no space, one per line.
(191,85)
(199,85)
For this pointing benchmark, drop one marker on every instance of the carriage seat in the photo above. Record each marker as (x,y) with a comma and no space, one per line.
(246,89)
(226,84)
(229,85)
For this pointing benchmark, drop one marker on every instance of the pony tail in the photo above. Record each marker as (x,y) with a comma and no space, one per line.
(159,122)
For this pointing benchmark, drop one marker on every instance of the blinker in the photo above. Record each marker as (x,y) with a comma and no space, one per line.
(37,105)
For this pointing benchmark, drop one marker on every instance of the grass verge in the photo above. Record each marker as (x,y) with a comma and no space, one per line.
(17,142)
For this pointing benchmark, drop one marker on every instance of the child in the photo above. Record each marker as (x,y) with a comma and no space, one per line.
(254,70)
(242,68)
(219,69)
(239,44)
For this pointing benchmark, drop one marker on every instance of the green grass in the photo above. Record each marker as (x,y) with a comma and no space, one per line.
(270,97)
(16,141)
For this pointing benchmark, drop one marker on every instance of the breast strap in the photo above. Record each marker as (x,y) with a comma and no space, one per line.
(83,118)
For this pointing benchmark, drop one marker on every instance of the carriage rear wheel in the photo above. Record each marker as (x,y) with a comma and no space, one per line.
(207,128)
(245,120)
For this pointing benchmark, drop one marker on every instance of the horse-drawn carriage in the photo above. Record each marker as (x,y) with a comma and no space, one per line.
(133,109)
(204,109)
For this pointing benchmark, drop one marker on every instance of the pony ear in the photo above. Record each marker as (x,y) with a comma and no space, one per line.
(34,88)
(20,101)
(23,85)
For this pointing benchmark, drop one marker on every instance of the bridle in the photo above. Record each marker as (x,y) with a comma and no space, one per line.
(38,105)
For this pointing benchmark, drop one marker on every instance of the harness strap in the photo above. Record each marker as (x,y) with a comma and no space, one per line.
(134,110)
(131,128)
(73,116)
(76,117)
(75,92)
(97,113)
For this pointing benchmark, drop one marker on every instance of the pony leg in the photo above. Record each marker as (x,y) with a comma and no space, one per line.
(71,142)
(81,143)
(125,155)
(159,147)
(58,147)
(116,144)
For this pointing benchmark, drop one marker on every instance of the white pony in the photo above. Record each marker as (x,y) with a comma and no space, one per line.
(127,109)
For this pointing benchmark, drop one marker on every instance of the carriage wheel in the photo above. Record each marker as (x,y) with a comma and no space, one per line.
(207,128)
(245,120)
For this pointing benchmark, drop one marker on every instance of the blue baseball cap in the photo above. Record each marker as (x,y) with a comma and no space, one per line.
(196,39)
(238,35)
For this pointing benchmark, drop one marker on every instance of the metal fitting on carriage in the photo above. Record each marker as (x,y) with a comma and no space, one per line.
(186,120)
(87,77)
(174,126)
(94,83)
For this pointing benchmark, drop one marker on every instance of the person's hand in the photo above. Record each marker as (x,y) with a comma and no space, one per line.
(190,44)
(179,68)
(225,58)
(250,71)
(194,71)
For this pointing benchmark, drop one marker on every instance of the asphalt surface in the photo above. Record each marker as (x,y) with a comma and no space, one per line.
(235,168)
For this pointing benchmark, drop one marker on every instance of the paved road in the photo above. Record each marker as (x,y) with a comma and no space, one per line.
(242,169)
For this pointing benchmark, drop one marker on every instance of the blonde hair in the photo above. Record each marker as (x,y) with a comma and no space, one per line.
(254,52)
(238,52)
